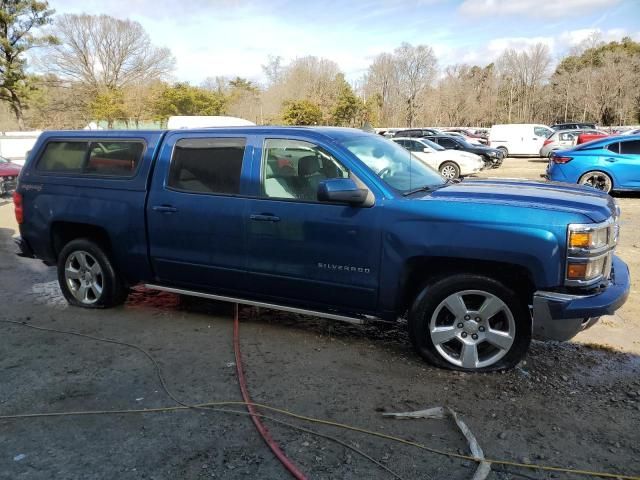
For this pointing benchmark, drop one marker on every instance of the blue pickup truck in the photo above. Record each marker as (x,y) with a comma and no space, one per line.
(330,222)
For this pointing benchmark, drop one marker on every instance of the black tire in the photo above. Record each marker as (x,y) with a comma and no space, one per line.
(451,169)
(505,152)
(429,302)
(113,292)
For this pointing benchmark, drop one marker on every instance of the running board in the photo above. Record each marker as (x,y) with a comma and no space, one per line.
(273,306)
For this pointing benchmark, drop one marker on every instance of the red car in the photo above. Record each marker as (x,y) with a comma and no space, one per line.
(588,136)
(8,176)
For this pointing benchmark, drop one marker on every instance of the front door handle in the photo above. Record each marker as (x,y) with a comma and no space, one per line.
(264,217)
(164,208)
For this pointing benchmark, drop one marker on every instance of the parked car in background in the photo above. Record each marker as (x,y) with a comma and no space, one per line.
(584,137)
(417,132)
(559,140)
(473,141)
(611,163)
(471,136)
(633,131)
(519,138)
(8,176)
(574,126)
(563,139)
(491,156)
(451,164)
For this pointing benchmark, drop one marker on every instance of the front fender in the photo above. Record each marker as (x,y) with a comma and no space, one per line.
(535,249)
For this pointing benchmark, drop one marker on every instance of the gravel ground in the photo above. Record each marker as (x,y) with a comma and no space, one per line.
(573,405)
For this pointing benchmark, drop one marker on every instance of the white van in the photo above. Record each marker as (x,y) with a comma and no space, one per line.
(519,138)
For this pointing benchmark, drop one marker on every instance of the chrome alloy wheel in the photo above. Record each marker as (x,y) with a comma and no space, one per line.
(84,277)
(472,329)
(449,172)
(598,180)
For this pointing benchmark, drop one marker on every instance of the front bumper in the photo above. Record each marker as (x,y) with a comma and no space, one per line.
(560,316)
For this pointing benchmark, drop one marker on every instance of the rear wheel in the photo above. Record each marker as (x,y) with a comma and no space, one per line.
(471,323)
(450,170)
(87,277)
(596,179)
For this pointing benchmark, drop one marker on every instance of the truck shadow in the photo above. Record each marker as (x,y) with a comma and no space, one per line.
(543,358)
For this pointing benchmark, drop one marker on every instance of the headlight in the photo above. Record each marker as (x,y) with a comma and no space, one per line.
(589,252)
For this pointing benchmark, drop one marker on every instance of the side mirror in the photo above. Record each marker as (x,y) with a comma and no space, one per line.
(341,190)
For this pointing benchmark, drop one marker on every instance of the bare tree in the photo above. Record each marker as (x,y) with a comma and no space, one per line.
(416,67)
(105,52)
(273,69)
(523,74)
(382,83)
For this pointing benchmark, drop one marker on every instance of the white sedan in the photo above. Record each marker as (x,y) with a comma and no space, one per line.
(450,163)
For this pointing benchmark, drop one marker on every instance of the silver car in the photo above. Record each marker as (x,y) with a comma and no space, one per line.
(561,140)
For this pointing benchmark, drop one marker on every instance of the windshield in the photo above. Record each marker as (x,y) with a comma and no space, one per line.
(3,160)
(393,164)
(433,145)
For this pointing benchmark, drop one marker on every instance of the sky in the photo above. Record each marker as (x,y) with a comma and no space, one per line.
(235,37)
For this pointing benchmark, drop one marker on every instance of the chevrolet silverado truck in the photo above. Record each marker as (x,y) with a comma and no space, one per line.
(330,222)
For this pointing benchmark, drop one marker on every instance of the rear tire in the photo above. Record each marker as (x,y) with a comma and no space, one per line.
(87,276)
(471,323)
(598,180)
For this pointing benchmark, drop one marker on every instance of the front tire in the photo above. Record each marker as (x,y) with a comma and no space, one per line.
(505,152)
(450,170)
(471,323)
(87,277)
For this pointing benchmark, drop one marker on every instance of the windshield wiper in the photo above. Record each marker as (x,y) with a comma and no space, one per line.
(424,188)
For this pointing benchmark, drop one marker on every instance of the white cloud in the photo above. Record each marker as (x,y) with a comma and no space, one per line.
(536,8)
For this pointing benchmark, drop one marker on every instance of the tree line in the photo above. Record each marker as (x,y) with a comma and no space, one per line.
(99,68)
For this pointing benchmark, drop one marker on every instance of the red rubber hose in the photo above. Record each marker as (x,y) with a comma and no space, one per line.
(262,429)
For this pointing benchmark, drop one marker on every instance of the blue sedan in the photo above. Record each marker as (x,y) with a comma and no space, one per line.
(611,163)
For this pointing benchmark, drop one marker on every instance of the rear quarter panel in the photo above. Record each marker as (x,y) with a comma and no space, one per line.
(116,205)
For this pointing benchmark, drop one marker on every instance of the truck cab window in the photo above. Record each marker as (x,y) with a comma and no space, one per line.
(294,169)
(207,165)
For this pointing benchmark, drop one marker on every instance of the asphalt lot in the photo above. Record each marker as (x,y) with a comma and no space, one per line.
(572,405)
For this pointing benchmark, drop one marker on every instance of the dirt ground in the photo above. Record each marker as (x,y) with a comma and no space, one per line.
(569,405)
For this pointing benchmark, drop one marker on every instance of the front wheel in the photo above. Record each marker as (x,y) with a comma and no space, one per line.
(471,323)
(599,180)
(87,277)
(450,170)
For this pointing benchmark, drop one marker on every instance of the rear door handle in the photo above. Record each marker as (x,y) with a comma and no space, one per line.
(264,217)
(611,160)
(164,208)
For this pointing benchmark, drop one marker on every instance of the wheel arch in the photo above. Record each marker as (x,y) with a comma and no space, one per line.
(418,271)
(63,232)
